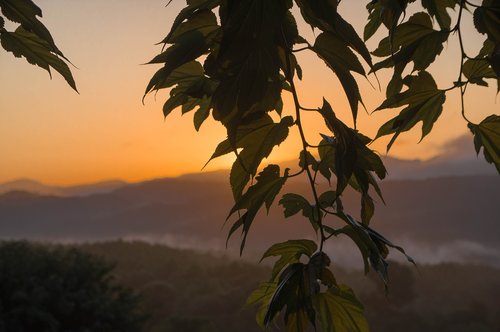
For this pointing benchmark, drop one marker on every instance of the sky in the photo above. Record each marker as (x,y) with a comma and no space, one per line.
(50,133)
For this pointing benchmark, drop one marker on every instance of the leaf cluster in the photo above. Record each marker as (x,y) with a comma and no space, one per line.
(32,40)
(235,59)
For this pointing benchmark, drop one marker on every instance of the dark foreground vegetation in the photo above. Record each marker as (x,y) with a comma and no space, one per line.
(182,290)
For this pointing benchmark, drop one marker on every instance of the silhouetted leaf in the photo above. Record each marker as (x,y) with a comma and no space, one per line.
(289,292)
(25,12)
(374,19)
(425,103)
(202,21)
(289,252)
(187,73)
(482,66)
(293,203)
(248,68)
(414,40)
(267,186)
(37,51)
(438,9)
(262,295)
(339,310)
(192,8)
(202,113)
(487,136)
(256,139)
(337,55)
(346,153)
(487,20)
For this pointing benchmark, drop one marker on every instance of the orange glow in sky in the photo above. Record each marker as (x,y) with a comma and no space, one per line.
(52,134)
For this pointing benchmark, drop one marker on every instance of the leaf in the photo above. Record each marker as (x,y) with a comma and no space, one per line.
(341,60)
(438,9)
(202,113)
(263,192)
(339,310)
(187,73)
(414,40)
(487,137)
(293,204)
(289,292)
(477,70)
(289,252)
(25,12)
(203,21)
(323,15)
(257,140)
(194,6)
(346,153)
(425,103)
(487,20)
(306,159)
(374,19)
(378,237)
(190,47)
(37,51)
(262,295)
(483,65)
(248,68)
(367,208)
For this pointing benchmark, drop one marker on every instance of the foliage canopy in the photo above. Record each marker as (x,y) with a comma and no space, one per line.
(61,289)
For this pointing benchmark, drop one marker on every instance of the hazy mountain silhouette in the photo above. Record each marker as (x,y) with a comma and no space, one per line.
(36,187)
(441,219)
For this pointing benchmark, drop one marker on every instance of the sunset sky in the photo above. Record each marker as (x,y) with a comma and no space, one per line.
(52,134)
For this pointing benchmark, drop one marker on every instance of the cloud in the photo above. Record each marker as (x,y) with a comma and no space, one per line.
(461,147)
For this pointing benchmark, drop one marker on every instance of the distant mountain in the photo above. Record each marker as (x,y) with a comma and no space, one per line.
(437,220)
(36,187)
(436,167)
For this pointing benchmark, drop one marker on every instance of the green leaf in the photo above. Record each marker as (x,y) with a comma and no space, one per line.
(374,19)
(414,40)
(339,310)
(487,136)
(37,51)
(249,67)
(262,295)
(293,204)
(306,159)
(438,9)
(477,70)
(191,46)
(257,140)
(187,74)
(367,208)
(323,15)
(425,103)
(203,21)
(487,20)
(338,56)
(347,154)
(289,252)
(263,192)
(25,12)
(194,6)
(289,293)
(202,113)
(377,237)
(483,65)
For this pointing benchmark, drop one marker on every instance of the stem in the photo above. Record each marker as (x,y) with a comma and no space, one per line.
(306,168)
(463,57)
(302,49)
